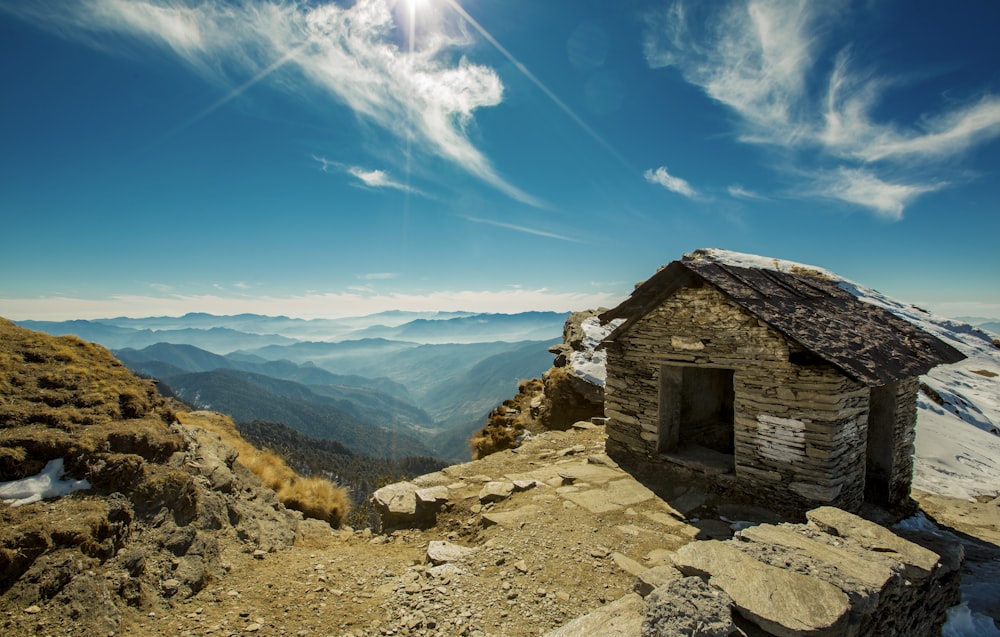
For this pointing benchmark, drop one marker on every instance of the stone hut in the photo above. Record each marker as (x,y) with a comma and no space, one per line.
(778,383)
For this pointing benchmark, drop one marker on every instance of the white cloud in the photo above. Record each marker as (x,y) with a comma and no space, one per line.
(661,177)
(863,188)
(764,60)
(421,92)
(379,276)
(740,192)
(372,178)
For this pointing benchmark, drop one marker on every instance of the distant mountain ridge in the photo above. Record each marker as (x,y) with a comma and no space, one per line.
(223,334)
(426,377)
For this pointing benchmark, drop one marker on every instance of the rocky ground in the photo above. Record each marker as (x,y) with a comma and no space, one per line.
(568,544)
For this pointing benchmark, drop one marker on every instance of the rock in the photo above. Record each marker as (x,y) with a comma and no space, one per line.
(873,573)
(621,618)
(521,566)
(511,519)
(918,562)
(32,610)
(440,552)
(653,578)
(398,499)
(170,586)
(784,603)
(660,557)
(444,571)
(583,425)
(406,505)
(524,485)
(628,565)
(688,607)
(495,491)
(568,451)
(602,459)
(437,495)
(259,554)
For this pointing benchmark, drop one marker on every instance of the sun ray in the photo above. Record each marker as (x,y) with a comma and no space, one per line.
(534,80)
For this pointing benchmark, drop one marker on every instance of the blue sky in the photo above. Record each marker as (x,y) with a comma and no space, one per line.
(329,159)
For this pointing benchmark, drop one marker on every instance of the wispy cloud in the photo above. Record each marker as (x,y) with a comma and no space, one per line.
(379,276)
(765,61)
(524,229)
(422,92)
(739,192)
(661,177)
(864,188)
(371,178)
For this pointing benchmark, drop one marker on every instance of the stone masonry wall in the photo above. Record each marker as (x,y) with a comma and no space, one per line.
(905,438)
(800,430)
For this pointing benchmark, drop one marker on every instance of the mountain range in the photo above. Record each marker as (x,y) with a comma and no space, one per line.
(355,381)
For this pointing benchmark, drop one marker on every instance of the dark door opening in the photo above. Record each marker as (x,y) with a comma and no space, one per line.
(880,444)
(696,408)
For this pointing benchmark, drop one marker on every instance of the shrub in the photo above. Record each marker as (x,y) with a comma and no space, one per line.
(316,498)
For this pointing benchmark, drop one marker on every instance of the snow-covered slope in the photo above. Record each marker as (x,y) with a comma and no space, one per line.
(958,420)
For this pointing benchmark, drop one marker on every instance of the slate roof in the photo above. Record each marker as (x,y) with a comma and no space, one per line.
(867,343)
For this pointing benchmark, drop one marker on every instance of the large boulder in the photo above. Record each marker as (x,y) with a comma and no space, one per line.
(405,505)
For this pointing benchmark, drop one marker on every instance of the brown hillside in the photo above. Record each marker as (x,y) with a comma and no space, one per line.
(168,501)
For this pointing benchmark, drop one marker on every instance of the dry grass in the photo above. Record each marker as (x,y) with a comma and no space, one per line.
(314,497)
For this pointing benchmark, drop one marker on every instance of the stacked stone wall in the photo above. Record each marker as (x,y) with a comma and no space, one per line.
(905,439)
(800,430)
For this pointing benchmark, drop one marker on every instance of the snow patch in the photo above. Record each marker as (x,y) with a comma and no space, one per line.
(962,622)
(590,363)
(47,484)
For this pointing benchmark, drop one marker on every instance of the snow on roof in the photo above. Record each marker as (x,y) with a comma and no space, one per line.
(865,341)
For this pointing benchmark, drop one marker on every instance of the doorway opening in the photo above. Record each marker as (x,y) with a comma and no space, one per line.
(696,408)
(880,448)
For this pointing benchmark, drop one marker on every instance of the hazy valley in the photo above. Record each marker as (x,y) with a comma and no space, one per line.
(394,384)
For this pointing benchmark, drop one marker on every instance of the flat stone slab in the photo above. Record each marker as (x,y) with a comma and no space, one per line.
(653,578)
(627,564)
(618,494)
(581,471)
(398,499)
(594,500)
(627,492)
(437,478)
(441,552)
(433,495)
(495,491)
(919,562)
(875,574)
(621,618)
(785,603)
(511,519)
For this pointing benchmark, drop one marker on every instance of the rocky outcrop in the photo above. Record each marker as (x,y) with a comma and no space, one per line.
(838,576)
(166,503)
(571,391)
